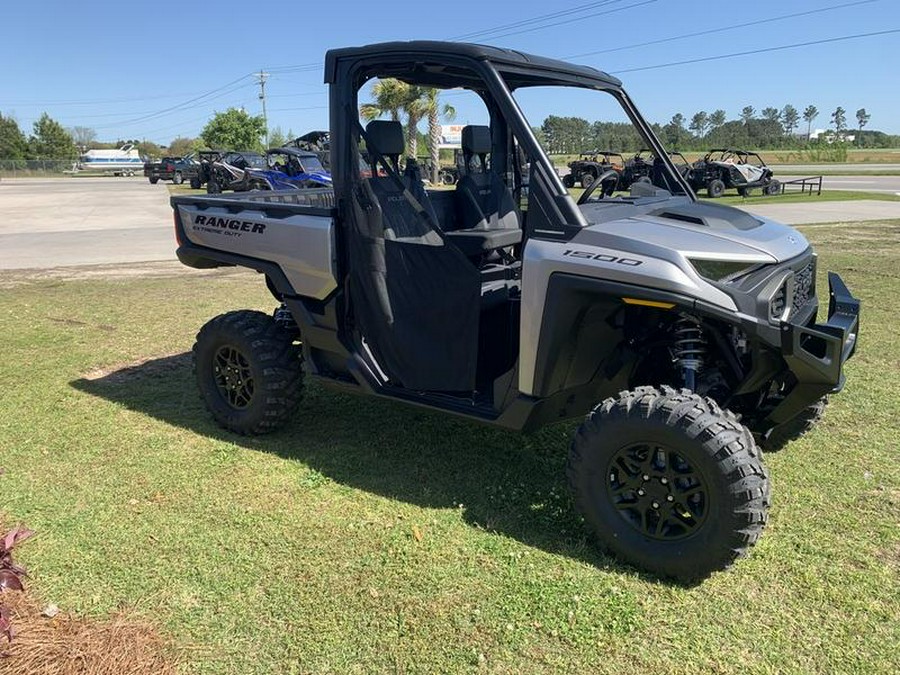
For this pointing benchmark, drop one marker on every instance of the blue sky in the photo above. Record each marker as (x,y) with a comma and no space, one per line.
(134,70)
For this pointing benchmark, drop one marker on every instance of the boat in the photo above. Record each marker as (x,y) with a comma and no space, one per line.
(124,161)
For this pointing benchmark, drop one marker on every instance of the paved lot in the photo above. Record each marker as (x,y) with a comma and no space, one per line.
(49,223)
(849,167)
(83,221)
(889,184)
(827,212)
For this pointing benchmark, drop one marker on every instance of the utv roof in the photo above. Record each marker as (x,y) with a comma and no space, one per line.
(433,51)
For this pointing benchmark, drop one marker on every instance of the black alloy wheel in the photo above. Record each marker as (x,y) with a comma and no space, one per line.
(249,371)
(669,482)
(657,491)
(233,377)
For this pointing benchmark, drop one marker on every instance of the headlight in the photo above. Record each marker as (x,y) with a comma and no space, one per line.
(723,270)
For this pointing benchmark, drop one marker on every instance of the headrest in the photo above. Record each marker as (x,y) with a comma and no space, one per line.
(386,137)
(476,140)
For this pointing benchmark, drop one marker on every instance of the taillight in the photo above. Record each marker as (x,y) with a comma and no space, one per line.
(177,228)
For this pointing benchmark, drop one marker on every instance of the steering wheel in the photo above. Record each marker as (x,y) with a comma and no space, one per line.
(609,176)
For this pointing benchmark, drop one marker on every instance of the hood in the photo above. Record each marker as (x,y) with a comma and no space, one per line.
(699,230)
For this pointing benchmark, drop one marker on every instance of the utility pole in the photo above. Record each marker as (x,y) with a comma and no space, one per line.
(261,78)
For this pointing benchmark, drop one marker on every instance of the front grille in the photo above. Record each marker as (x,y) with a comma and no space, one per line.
(803,285)
(799,287)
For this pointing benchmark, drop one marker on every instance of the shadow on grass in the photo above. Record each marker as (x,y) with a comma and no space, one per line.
(504,482)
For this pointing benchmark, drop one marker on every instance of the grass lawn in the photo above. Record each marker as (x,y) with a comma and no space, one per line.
(369,537)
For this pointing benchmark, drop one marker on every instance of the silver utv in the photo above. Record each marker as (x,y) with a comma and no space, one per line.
(684,334)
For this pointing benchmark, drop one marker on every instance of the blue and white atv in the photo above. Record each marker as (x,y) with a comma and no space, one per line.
(288,169)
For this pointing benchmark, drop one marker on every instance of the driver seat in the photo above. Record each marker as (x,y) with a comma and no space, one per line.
(485,206)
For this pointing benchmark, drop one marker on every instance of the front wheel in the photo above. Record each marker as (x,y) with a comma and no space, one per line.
(669,482)
(568,181)
(176,178)
(195,183)
(248,370)
(715,188)
(212,187)
(773,188)
(587,179)
(154,181)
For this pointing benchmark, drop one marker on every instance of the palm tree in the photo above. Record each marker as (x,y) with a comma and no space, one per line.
(811,113)
(416,108)
(393,97)
(389,96)
(436,111)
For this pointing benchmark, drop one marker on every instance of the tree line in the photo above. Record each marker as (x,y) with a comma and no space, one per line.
(772,128)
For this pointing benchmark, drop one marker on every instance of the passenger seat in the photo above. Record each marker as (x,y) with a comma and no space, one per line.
(486,210)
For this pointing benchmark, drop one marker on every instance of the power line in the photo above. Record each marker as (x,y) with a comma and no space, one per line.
(536,19)
(200,104)
(719,30)
(308,67)
(757,51)
(181,105)
(580,17)
(38,104)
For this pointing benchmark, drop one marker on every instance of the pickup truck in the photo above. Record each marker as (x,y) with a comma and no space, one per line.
(685,335)
(175,169)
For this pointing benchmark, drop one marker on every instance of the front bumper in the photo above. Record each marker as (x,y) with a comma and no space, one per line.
(816,353)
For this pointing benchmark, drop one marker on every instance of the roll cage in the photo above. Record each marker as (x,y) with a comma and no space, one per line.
(735,156)
(493,74)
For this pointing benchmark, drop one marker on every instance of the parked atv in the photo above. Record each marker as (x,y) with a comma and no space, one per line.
(723,169)
(683,334)
(229,172)
(318,142)
(640,167)
(286,169)
(590,165)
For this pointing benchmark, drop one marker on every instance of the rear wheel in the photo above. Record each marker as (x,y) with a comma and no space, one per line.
(586,179)
(176,178)
(248,370)
(715,188)
(669,482)
(154,181)
(568,181)
(195,183)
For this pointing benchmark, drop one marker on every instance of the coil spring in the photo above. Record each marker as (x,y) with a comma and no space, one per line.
(284,318)
(688,349)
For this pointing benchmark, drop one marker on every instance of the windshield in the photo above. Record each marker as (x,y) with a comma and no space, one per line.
(312,164)
(587,133)
(256,161)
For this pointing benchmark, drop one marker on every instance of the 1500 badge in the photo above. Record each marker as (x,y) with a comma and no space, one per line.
(602,257)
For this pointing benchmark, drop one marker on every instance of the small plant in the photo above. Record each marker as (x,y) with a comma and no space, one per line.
(10,573)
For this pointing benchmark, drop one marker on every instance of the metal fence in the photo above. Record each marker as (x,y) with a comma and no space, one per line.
(806,184)
(35,167)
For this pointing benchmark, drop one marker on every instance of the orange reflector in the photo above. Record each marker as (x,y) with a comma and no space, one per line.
(648,303)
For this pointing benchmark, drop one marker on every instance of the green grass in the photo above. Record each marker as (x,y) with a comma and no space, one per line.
(370,537)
